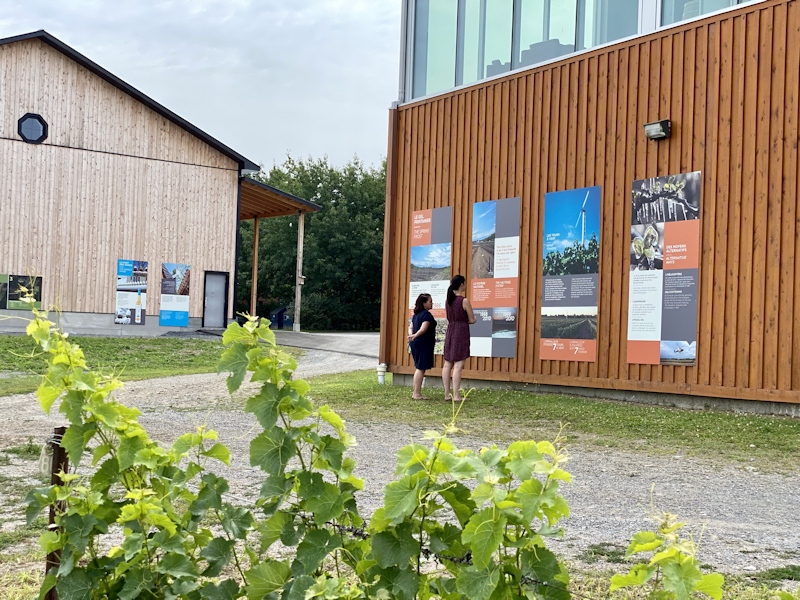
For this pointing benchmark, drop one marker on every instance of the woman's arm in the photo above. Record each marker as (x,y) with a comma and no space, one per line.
(422,329)
(470,315)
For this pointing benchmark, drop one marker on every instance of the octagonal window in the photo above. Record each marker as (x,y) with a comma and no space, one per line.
(32,128)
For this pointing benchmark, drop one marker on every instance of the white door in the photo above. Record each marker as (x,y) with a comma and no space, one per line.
(215,305)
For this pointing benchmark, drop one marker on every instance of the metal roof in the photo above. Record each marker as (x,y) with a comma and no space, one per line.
(79,58)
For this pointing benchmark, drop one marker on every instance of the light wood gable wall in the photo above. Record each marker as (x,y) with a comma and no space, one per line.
(114,179)
(730,85)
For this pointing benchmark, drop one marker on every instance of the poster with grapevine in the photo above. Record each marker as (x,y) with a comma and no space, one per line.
(664,264)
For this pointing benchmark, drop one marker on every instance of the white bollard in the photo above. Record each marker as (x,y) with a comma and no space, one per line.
(381,369)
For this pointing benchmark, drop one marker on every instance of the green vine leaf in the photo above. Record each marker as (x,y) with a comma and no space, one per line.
(523,458)
(227,590)
(218,554)
(265,578)
(484,533)
(477,584)
(234,360)
(317,544)
(220,452)
(395,548)
(271,451)
(638,575)
(78,585)
(680,578)
(400,498)
(711,585)
(264,405)
(328,505)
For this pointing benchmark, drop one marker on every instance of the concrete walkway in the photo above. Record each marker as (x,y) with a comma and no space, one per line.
(357,344)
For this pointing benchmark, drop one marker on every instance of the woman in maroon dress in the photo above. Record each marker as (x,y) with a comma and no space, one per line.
(456,340)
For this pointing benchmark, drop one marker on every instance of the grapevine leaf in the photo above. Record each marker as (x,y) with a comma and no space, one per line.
(78,585)
(264,405)
(394,548)
(317,544)
(458,497)
(236,520)
(477,584)
(217,553)
(402,584)
(220,452)
(227,590)
(328,505)
(548,577)
(681,578)
(106,475)
(483,533)
(266,577)
(400,498)
(524,456)
(643,541)
(299,587)
(234,360)
(271,450)
(638,575)
(75,439)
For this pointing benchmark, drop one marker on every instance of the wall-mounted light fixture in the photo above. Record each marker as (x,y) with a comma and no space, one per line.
(658,130)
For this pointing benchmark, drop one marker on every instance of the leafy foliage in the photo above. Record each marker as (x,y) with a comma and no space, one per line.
(343,247)
(574,260)
(673,572)
(454,524)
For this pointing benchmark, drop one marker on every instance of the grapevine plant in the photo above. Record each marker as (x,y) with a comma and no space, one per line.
(455,523)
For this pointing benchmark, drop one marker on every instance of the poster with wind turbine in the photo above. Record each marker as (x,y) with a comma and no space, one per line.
(570,272)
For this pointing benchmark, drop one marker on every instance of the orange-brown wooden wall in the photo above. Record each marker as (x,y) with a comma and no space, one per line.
(730,85)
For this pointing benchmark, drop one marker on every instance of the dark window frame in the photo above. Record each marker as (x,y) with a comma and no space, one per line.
(41,121)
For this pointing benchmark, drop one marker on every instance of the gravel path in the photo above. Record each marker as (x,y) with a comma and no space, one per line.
(747,519)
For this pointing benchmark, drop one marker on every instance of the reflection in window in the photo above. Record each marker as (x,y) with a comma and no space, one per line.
(499,24)
(545,29)
(434,46)
(603,21)
(673,11)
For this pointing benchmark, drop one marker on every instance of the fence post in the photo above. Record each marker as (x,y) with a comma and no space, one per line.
(59,463)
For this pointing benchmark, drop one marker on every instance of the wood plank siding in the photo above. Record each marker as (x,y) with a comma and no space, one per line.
(114,179)
(730,85)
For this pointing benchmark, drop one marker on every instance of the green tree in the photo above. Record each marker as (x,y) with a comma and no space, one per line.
(342,251)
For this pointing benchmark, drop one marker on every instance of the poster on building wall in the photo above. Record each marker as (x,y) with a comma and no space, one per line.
(664,261)
(494,281)
(175,279)
(570,272)
(13,292)
(431,257)
(131,292)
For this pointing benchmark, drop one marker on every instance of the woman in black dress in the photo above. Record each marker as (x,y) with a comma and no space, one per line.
(456,340)
(421,339)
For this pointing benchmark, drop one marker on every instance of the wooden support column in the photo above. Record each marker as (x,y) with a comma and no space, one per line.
(298,284)
(254,287)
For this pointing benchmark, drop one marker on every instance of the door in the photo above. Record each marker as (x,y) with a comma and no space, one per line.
(215,302)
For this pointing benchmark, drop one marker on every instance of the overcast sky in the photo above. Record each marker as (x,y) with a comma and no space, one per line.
(265,77)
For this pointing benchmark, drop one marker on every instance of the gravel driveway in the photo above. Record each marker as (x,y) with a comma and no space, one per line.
(748,520)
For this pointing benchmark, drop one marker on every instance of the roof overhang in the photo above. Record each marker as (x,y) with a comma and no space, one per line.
(244,163)
(260,201)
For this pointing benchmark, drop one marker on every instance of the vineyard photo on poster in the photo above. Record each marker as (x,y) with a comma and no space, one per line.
(664,269)
(494,277)
(431,258)
(431,263)
(570,272)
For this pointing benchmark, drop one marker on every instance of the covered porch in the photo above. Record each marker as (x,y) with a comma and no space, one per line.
(260,201)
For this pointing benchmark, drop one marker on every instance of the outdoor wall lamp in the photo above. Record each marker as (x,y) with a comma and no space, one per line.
(658,130)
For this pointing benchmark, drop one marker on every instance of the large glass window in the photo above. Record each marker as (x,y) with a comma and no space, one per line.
(545,29)
(673,11)
(434,46)
(603,21)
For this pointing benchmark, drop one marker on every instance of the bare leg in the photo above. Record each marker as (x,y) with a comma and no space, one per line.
(418,375)
(446,378)
(457,380)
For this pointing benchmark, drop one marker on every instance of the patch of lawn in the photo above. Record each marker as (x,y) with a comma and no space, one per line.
(131,358)
(29,450)
(24,533)
(612,553)
(772,443)
(22,584)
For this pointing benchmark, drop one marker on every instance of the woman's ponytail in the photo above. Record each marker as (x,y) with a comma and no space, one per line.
(455,283)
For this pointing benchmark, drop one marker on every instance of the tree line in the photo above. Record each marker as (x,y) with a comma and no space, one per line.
(342,252)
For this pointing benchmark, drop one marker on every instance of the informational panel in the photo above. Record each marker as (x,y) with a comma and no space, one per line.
(131,292)
(664,261)
(570,271)
(175,279)
(431,257)
(12,292)
(494,283)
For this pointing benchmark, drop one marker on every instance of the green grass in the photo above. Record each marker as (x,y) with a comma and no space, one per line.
(22,534)
(770,443)
(131,358)
(29,450)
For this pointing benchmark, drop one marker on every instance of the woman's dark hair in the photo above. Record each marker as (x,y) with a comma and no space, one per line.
(420,304)
(455,283)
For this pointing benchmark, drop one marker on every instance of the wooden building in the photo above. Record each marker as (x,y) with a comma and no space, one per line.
(725,76)
(95,172)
